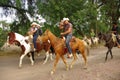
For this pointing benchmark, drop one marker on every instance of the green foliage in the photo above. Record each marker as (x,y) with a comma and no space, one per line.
(3,36)
(18,3)
(83,14)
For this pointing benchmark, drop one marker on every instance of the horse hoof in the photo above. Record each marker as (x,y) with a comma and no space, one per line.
(44,62)
(32,64)
(20,67)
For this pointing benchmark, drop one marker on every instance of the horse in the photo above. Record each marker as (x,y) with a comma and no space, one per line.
(42,45)
(87,40)
(94,41)
(110,42)
(21,41)
(60,50)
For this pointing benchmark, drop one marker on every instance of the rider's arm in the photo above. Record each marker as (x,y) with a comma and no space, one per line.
(68,31)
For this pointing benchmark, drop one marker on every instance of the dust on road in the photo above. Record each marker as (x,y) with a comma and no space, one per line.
(98,69)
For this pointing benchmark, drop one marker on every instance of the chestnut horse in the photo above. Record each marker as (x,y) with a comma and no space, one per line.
(23,43)
(59,46)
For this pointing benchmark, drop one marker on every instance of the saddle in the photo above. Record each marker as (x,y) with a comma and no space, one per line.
(73,39)
(114,38)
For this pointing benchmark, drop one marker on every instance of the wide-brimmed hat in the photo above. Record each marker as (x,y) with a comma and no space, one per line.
(34,23)
(65,19)
(39,25)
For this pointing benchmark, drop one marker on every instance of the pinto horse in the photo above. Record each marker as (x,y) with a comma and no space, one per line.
(59,47)
(110,42)
(23,43)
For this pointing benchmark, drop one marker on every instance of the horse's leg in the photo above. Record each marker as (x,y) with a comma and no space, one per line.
(52,52)
(75,58)
(31,59)
(51,58)
(111,53)
(85,59)
(46,57)
(107,54)
(64,62)
(21,58)
(32,53)
(55,63)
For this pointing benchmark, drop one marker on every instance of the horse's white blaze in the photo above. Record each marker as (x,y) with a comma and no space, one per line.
(48,41)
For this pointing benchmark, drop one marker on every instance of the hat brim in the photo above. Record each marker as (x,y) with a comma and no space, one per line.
(65,19)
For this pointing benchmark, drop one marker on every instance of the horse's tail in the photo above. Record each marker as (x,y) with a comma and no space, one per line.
(87,48)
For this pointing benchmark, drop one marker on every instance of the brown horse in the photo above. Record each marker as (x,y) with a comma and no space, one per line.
(59,46)
(44,45)
(110,42)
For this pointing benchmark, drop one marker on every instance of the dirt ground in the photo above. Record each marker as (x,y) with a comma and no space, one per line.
(97,69)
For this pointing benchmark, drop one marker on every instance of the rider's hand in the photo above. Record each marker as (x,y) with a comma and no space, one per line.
(61,34)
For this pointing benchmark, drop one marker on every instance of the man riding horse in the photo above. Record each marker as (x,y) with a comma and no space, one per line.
(67,33)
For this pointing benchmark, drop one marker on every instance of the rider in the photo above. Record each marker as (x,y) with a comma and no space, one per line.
(36,30)
(67,33)
(115,32)
(92,35)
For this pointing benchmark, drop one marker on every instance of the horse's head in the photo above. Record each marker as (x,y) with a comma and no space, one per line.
(11,38)
(100,36)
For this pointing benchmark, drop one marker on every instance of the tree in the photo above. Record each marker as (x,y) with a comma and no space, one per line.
(84,14)
(18,6)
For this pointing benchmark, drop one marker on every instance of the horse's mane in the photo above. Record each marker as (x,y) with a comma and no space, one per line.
(57,38)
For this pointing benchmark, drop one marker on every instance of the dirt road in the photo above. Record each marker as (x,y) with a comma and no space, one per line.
(98,69)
